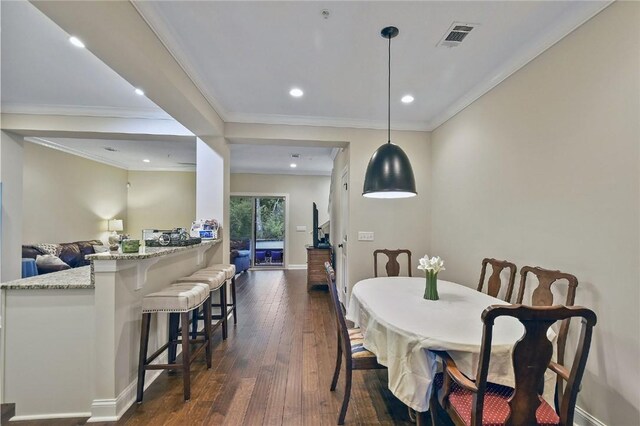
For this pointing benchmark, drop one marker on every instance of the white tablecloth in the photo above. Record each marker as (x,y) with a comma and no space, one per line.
(401,328)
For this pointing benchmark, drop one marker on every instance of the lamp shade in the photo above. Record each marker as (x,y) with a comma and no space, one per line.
(115,225)
(389,174)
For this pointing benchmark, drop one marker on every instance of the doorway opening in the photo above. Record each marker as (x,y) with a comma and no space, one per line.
(258,225)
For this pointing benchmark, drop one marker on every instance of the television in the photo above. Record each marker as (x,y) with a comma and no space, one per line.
(314,230)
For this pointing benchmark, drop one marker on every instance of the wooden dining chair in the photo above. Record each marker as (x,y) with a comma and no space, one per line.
(350,346)
(480,402)
(392,266)
(494,284)
(542,296)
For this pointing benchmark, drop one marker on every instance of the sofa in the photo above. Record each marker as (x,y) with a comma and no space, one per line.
(241,255)
(71,255)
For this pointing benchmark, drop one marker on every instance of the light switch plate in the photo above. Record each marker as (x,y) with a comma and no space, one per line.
(365,236)
(301,228)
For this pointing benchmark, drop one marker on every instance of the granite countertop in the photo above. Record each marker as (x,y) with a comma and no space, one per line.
(147,252)
(67,279)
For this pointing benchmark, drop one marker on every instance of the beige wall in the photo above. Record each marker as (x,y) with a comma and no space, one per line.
(68,198)
(160,200)
(543,170)
(395,223)
(303,191)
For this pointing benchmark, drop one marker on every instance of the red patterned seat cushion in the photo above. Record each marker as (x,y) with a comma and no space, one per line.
(496,408)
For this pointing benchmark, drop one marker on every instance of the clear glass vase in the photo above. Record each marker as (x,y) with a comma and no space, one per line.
(431,288)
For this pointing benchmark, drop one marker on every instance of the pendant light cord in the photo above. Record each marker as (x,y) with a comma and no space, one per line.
(389,97)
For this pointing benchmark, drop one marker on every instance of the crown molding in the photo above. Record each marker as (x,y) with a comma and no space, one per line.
(85,111)
(519,60)
(259,171)
(54,145)
(299,120)
(59,147)
(158,26)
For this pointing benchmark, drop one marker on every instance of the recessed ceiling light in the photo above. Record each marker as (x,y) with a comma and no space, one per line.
(139,92)
(76,41)
(407,99)
(146,160)
(293,165)
(296,93)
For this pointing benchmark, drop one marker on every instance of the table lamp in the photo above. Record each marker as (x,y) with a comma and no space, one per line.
(114,225)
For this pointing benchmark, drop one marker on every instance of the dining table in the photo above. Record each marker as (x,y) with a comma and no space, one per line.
(402,329)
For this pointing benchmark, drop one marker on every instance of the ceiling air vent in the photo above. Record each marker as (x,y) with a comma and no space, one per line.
(456,34)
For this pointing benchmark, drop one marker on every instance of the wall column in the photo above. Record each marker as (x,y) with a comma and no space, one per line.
(212,188)
(11,163)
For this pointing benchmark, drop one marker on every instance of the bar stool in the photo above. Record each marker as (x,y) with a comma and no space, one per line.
(230,273)
(216,282)
(178,300)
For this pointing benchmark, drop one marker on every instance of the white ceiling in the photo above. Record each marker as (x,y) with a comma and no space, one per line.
(166,155)
(41,72)
(245,56)
(270,159)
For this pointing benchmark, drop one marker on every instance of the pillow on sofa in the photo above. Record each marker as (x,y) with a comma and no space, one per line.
(50,263)
(49,248)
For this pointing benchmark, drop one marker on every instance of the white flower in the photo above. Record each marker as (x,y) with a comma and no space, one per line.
(435,264)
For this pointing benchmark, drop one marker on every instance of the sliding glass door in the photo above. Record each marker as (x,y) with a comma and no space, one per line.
(258,225)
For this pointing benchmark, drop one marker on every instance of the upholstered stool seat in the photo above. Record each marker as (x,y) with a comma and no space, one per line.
(178,301)
(228,268)
(215,279)
(496,404)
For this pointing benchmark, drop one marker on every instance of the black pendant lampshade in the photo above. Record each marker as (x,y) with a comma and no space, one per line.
(389,173)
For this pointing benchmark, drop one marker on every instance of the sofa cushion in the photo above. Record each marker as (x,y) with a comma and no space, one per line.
(31,252)
(49,248)
(71,255)
(86,247)
(49,263)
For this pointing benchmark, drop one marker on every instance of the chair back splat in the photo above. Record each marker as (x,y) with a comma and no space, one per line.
(494,284)
(392,267)
(464,400)
(542,296)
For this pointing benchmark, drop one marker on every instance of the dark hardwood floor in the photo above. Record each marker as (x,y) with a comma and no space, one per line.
(274,369)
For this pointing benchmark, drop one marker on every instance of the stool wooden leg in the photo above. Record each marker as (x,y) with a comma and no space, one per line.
(207,329)
(194,324)
(233,299)
(142,359)
(186,356)
(223,309)
(174,325)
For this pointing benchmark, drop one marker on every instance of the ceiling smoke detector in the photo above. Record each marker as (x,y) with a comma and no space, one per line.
(295,155)
(325,13)
(456,34)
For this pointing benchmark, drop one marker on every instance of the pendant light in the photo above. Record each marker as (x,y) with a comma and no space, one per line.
(389,173)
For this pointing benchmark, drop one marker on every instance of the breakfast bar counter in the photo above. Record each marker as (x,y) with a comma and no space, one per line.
(69,340)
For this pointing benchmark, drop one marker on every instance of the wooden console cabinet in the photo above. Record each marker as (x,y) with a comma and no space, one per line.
(316,274)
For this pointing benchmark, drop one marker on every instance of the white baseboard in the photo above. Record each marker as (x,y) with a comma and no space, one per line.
(110,410)
(49,416)
(300,266)
(582,418)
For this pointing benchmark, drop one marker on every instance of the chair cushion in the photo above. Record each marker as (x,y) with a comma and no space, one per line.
(496,407)
(176,298)
(215,279)
(357,344)
(227,268)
